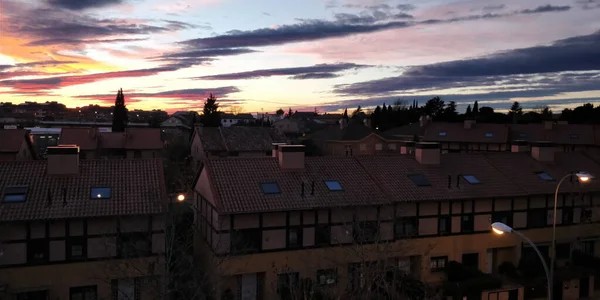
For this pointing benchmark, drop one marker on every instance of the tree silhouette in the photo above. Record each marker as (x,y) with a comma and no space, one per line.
(212,117)
(434,107)
(345,116)
(279,112)
(449,113)
(468,112)
(120,117)
(475,108)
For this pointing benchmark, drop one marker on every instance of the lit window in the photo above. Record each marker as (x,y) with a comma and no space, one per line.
(42,136)
(14,194)
(438,263)
(442,133)
(100,193)
(334,185)
(419,179)
(270,188)
(471,179)
(544,176)
(489,134)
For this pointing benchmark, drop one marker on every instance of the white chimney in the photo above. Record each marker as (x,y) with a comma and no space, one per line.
(275,148)
(428,153)
(519,146)
(63,160)
(291,157)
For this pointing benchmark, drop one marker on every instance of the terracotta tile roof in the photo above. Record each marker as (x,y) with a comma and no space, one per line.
(85,138)
(527,132)
(237,183)
(143,139)
(408,130)
(571,134)
(354,131)
(137,188)
(478,133)
(112,140)
(12,139)
(239,138)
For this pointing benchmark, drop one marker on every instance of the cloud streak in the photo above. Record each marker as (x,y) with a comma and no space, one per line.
(82,4)
(319,71)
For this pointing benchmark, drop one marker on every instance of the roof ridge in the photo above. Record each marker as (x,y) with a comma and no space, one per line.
(377,183)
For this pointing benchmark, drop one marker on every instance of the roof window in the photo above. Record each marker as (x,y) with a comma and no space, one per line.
(471,179)
(489,134)
(14,194)
(442,133)
(544,176)
(270,188)
(334,185)
(100,193)
(419,179)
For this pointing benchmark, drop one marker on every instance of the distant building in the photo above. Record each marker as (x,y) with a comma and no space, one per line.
(43,138)
(133,143)
(231,119)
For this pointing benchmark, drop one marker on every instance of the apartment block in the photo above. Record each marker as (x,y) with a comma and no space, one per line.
(81,229)
(271,224)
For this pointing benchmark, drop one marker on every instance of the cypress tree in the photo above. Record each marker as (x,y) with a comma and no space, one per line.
(120,117)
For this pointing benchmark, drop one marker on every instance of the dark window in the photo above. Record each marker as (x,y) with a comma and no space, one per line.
(419,179)
(14,194)
(471,179)
(567,215)
(586,216)
(76,248)
(442,133)
(444,225)
(326,277)
(466,223)
(587,247)
(407,226)
(334,185)
(126,289)
(544,176)
(366,231)
(234,153)
(245,240)
(503,217)
(322,235)
(489,134)
(83,293)
(537,218)
(35,295)
(563,251)
(438,263)
(294,237)
(100,193)
(287,285)
(37,251)
(133,244)
(270,188)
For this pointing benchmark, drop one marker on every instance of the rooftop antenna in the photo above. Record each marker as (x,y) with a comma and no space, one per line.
(302,185)
(458,180)
(64,196)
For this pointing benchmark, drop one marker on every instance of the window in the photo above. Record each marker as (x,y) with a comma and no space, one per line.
(126,289)
(586,216)
(574,136)
(14,194)
(489,134)
(567,215)
(133,244)
(537,218)
(563,251)
(366,231)
(442,133)
(544,176)
(334,185)
(471,179)
(392,146)
(378,147)
(322,235)
(444,225)
(326,277)
(246,240)
(502,217)
(35,295)
(438,263)
(270,188)
(467,223)
(76,248)
(37,251)
(407,226)
(587,247)
(83,293)
(287,285)
(363,147)
(419,179)
(294,237)
(100,193)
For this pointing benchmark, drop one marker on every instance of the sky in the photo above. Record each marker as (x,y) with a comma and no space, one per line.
(328,55)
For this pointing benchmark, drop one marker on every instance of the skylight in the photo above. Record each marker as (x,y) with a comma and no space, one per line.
(471,179)
(334,185)
(544,176)
(419,179)
(489,134)
(574,136)
(14,194)
(442,133)
(270,188)
(523,135)
(100,193)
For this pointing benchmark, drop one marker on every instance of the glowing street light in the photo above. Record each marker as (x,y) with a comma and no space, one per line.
(180,197)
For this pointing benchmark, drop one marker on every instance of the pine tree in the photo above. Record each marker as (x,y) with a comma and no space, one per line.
(211,115)
(120,117)
(468,113)
(475,108)
(345,116)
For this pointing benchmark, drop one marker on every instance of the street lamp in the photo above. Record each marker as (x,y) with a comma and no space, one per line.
(180,197)
(501,228)
(582,177)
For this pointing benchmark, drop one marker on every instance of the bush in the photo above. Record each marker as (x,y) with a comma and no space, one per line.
(463,280)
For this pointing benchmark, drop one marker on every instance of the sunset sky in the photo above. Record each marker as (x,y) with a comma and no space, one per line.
(329,54)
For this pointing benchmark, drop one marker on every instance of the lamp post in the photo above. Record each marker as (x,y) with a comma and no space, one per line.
(583,177)
(501,228)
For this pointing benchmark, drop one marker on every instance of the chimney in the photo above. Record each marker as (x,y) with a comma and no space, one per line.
(407,147)
(275,148)
(428,153)
(519,146)
(63,160)
(469,124)
(291,157)
(548,125)
(543,151)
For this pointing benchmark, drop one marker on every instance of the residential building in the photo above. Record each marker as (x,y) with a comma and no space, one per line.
(81,229)
(270,223)
(133,143)
(411,132)
(43,138)
(566,137)
(231,119)
(233,141)
(468,136)
(294,128)
(16,145)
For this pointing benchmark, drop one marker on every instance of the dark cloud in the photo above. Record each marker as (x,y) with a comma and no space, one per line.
(402,15)
(545,9)
(405,7)
(60,41)
(37,64)
(185,59)
(312,72)
(178,25)
(82,4)
(185,94)
(490,8)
